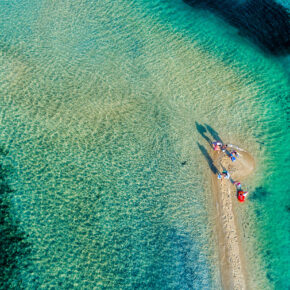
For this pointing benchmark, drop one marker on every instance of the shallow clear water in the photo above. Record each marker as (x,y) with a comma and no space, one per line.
(98,108)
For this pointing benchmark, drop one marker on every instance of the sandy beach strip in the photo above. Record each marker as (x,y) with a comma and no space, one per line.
(232,260)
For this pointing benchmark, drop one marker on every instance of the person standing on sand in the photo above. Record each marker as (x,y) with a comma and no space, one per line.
(224,148)
(224,174)
(233,155)
(238,185)
(216,145)
(242,195)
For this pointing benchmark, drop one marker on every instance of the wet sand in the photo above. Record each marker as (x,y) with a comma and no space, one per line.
(232,260)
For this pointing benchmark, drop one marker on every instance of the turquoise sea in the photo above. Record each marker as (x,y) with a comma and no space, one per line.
(103,185)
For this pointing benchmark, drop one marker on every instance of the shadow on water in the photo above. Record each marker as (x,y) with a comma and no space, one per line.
(208,158)
(264,22)
(13,247)
(213,133)
(202,130)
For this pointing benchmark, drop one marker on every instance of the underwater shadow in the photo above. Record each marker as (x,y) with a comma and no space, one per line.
(264,22)
(260,193)
(13,245)
(208,158)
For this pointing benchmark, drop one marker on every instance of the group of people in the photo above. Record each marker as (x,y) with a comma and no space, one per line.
(218,146)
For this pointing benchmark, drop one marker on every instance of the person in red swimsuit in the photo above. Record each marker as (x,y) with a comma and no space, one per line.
(242,195)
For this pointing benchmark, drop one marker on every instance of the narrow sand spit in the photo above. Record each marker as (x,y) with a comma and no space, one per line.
(232,262)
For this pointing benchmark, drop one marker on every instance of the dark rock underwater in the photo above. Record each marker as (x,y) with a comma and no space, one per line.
(265,22)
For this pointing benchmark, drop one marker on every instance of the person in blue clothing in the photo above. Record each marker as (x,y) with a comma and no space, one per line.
(233,155)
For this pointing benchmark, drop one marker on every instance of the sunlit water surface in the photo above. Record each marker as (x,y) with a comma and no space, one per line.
(99,101)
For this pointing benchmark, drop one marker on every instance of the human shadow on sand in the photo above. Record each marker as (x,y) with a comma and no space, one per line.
(208,158)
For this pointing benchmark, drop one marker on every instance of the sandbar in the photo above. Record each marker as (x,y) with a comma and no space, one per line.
(231,257)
